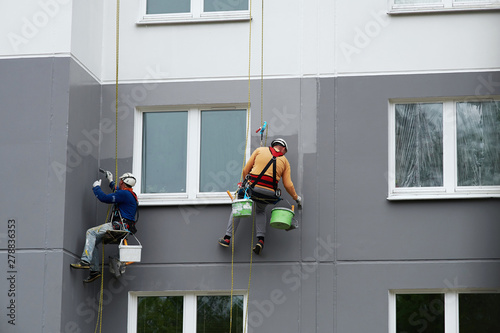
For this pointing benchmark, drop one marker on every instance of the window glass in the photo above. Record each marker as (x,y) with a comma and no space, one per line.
(479,313)
(222,149)
(419,145)
(478,143)
(164,152)
(160,314)
(225,5)
(168,7)
(417,313)
(212,315)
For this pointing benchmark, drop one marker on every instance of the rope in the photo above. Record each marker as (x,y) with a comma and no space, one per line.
(249,88)
(243,166)
(100,308)
(99,311)
(249,274)
(232,279)
(116,83)
(262,74)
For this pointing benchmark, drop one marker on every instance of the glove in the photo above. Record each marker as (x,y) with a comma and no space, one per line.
(96,183)
(240,185)
(299,201)
(109,176)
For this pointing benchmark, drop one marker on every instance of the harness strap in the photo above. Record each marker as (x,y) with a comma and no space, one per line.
(259,177)
(116,215)
(264,181)
(133,193)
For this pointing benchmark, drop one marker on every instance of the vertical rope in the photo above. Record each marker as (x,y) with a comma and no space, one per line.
(244,156)
(250,273)
(262,72)
(232,279)
(249,85)
(116,83)
(99,309)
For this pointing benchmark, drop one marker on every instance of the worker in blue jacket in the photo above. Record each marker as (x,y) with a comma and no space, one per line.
(123,218)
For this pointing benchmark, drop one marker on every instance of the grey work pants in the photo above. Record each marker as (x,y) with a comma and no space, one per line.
(93,238)
(258,210)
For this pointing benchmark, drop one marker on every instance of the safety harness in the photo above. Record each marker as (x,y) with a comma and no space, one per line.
(266,181)
(120,223)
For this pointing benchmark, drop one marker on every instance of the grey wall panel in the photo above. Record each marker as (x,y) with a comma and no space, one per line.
(84,138)
(33,125)
(277,292)
(200,224)
(326,293)
(81,301)
(80,212)
(368,226)
(363,288)
(180,250)
(337,130)
(325,205)
(31,299)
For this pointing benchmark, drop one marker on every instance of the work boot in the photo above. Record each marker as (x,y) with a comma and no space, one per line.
(224,242)
(81,265)
(92,276)
(258,247)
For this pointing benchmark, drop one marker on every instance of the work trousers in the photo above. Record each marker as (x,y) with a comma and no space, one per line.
(258,211)
(93,238)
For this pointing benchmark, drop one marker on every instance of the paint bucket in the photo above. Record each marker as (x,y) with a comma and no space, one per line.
(281,218)
(130,253)
(242,208)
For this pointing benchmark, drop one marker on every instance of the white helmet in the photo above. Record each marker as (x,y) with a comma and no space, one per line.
(128,179)
(279,141)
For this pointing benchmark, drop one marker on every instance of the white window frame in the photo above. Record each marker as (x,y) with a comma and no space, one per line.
(450,189)
(192,196)
(451,314)
(197,15)
(189,311)
(443,6)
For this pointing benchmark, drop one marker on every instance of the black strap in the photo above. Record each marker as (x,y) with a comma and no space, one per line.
(273,162)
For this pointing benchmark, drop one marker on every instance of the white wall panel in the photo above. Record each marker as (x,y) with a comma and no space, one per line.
(301,38)
(317,25)
(214,50)
(370,41)
(86,34)
(32,27)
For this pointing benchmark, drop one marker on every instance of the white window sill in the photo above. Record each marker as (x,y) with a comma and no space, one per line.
(162,200)
(397,10)
(442,196)
(188,18)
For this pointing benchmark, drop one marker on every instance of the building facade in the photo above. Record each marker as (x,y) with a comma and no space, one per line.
(390,110)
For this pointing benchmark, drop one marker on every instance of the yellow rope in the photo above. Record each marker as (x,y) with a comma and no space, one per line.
(249,274)
(249,86)
(100,309)
(232,279)
(262,72)
(116,84)
(244,158)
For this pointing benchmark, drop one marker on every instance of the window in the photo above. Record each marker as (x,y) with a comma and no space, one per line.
(408,6)
(438,312)
(189,155)
(161,11)
(185,313)
(446,149)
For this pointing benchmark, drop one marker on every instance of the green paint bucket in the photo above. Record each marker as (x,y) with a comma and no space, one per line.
(242,208)
(281,218)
